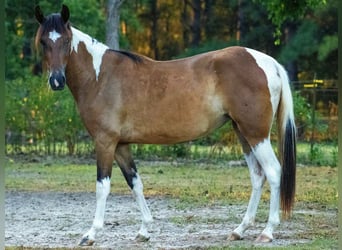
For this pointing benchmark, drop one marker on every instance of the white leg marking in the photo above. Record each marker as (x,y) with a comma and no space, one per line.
(145,211)
(54,35)
(257,179)
(271,166)
(102,192)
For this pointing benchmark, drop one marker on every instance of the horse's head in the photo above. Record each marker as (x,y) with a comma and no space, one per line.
(54,34)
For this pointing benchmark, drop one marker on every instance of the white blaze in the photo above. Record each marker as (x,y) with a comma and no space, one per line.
(54,35)
(95,48)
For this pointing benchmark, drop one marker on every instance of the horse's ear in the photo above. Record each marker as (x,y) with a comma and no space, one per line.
(65,14)
(39,15)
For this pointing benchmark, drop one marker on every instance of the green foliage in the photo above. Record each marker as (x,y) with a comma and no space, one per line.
(328,45)
(89,16)
(40,115)
(205,47)
(280,11)
(304,43)
(302,110)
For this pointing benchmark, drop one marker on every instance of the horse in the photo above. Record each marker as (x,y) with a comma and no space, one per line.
(123,98)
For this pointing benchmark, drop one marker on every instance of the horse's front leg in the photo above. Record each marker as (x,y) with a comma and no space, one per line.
(105,158)
(125,161)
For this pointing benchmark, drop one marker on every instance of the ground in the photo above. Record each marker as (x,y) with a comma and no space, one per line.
(58,219)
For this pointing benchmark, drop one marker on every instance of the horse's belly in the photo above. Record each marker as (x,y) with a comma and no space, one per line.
(171,131)
(179,116)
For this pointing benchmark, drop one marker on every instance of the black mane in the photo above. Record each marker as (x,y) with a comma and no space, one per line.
(134,57)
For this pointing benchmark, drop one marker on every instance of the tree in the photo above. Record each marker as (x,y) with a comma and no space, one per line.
(312,44)
(154,16)
(196,22)
(113,23)
(280,11)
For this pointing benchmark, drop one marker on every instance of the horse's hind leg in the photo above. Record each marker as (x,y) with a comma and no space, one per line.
(268,161)
(262,162)
(125,161)
(257,179)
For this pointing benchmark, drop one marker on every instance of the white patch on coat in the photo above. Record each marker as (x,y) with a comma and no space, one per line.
(271,69)
(54,35)
(95,48)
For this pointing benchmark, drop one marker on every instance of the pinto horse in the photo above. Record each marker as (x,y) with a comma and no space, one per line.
(127,98)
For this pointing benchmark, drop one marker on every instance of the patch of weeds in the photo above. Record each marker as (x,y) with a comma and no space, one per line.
(183,220)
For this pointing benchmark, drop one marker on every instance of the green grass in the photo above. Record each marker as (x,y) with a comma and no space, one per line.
(190,183)
(322,154)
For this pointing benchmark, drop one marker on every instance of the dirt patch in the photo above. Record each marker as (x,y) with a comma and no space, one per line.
(49,219)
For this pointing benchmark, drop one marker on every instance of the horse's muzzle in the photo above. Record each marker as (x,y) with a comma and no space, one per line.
(57,80)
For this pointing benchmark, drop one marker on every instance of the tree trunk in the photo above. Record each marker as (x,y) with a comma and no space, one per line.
(185,24)
(196,23)
(209,25)
(154,28)
(240,34)
(291,66)
(113,23)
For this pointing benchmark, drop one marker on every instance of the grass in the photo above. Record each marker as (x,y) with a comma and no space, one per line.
(321,154)
(201,183)
(191,185)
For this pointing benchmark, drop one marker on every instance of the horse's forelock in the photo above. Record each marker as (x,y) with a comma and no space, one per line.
(53,22)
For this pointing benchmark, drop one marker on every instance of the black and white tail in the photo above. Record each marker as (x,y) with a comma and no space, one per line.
(287,146)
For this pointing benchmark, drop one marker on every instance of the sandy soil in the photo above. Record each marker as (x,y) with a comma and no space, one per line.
(47,219)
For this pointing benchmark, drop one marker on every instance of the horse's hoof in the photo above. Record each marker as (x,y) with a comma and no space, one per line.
(234,236)
(142,238)
(263,239)
(86,241)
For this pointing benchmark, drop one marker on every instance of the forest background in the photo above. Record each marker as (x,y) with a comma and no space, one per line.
(302,35)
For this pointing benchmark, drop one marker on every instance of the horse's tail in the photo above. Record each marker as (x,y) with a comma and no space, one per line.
(287,145)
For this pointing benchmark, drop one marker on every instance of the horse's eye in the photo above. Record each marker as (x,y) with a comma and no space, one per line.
(43,43)
(66,41)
